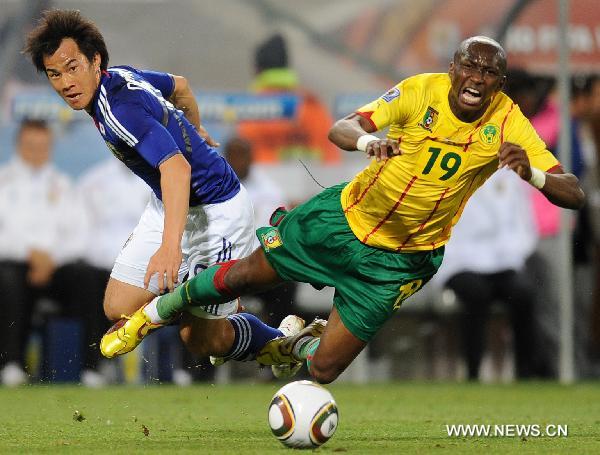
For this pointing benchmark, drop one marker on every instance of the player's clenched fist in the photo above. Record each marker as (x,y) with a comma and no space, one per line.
(512,156)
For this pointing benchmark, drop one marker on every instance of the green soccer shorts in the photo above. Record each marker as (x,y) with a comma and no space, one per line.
(314,244)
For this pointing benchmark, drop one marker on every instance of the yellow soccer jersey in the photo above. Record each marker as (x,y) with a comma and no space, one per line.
(410,202)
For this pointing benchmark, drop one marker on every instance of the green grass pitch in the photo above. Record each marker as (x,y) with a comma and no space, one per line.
(377,418)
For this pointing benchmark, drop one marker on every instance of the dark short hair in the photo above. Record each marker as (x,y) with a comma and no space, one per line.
(56,25)
(32,123)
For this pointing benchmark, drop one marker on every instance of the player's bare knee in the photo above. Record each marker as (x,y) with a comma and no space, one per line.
(111,310)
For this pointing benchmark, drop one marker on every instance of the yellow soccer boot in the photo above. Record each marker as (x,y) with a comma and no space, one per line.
(279,350)
(126,334)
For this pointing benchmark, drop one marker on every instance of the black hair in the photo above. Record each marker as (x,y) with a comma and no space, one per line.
(56,25)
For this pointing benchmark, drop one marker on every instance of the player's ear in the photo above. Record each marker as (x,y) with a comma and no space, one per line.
(451,68)
(501,83)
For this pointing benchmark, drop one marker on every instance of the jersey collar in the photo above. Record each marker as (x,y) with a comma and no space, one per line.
(103,78)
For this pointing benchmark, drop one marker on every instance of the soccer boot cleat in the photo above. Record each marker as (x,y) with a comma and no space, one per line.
(126,334)
(217,361)
(279,350)
(289,326)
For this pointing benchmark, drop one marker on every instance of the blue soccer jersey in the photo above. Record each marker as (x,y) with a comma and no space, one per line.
(143,129)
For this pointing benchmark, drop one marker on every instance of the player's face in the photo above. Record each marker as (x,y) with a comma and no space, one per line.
(72,75)
(34,146)
(476,76)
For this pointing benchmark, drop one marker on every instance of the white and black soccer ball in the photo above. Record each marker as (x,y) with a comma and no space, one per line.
(303,415)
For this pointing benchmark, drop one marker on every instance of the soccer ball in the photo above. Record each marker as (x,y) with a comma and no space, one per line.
(303,415)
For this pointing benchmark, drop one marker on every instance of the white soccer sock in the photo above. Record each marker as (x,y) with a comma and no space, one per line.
(152,312)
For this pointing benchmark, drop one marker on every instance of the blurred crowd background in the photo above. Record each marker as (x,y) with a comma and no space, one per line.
(270,77)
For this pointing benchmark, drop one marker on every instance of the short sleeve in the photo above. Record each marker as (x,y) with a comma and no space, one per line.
(393,107)
(138,126)
(161,81)
(521,132)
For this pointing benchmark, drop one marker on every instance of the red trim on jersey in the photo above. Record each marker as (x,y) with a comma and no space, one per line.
(437,204)
(471,136)
(504,122)
(462,201)
(360,198)
(219,278)
(398,202)
(557,167)
(367,116)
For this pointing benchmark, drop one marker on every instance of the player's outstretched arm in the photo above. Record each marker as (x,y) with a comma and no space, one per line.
(560,188)
(175,178)
(183,98)
(352,133)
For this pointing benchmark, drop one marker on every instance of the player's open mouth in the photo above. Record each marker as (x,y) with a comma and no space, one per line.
(74,97)
(470,96)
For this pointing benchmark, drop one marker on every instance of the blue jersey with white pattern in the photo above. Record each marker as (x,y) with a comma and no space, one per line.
(143,129)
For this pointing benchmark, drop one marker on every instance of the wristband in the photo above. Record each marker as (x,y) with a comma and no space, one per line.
(538,178)
(363,141)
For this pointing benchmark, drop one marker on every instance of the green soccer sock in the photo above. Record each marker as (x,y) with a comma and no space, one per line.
(206,288)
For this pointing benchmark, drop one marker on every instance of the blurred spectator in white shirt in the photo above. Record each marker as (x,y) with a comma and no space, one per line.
(114,199)
(483,263)
(41,237)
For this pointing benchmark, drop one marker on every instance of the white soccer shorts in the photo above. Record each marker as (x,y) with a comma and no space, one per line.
(213,233)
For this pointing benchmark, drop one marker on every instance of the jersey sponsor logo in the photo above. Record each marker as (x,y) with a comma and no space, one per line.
(102,129)
(429,119)
(271,239)
(489,134)
(391,94)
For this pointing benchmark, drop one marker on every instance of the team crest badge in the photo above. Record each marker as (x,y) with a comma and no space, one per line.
(271,239)
(489,134)
(429,118)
